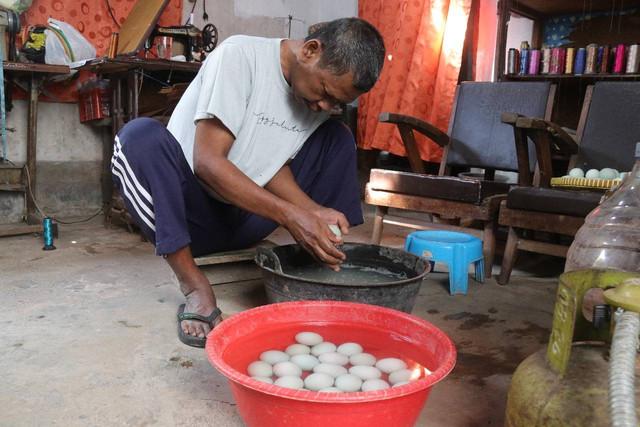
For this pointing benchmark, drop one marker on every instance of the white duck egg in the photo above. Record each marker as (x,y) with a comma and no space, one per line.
(323,347)
(592,173)
(337,358)
(294,349)
(318,381)
(289,382)
(390,364)
(309,338)
(608,173)
(264,379)
(372,385)
(400,376)
(349,349)
(259,369)
(401,383)
(576,173)
(305,361)
(330,390)
(274,356)
(348,383)
(331,369)
(287,369)
(362,359)
(365,372)
(336,230)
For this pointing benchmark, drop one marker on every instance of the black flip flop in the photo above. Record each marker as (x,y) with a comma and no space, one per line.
(190,339)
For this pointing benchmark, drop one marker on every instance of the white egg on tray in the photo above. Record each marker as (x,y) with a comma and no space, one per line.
(576,173)
(318,381)
(323,347)
(309,338)
(390,364)
(259,369)
(290,382)
(332,369)
(274,356)
(363,359)
(365,372)
(305,361)
(592,174)
(287,369)
(337,358)
(295,349)
(348,383)
(349,349)
(608,173)
(373,385)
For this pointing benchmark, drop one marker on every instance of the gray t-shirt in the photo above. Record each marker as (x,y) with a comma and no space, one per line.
(242,84)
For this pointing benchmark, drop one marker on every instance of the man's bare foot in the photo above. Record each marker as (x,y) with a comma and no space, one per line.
(199,302)
(197,291)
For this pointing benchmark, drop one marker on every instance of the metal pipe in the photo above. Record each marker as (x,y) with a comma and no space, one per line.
(622,398)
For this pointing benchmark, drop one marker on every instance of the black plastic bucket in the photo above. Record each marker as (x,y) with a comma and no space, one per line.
(406,272)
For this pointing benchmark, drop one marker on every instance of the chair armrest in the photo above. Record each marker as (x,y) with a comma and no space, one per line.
(558,136)
(522,148)
(425,128)
(510,118)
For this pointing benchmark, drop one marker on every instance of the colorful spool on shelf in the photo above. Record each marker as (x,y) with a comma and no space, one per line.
(568,63)
(618,64)
(512,61)
(592,58)
(604,60)
(534,61)
(546,60)
(578,66)
(633,59)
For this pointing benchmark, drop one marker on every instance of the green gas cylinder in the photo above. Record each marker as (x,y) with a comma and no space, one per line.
(566,383)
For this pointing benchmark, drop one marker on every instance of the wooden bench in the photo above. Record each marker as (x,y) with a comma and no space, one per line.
(232,266)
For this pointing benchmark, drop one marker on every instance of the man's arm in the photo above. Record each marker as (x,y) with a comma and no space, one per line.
(212,144)
(284,185)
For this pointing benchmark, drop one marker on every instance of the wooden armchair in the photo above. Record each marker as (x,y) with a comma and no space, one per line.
(606,137)
(476,138)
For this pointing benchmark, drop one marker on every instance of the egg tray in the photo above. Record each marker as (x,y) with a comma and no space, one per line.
(582,183)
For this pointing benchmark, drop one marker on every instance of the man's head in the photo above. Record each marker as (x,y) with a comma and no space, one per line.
(337,62)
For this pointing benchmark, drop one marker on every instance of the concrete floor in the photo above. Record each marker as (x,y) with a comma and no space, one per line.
(88,334)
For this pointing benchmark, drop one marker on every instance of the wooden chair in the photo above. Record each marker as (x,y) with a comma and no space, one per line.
(606,136)
(476,138)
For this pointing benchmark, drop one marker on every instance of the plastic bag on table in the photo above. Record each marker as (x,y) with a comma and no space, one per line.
(55,52)
(79,48)
(16,5)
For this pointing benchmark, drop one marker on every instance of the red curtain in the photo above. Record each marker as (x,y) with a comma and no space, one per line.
(424,40)
(92,19)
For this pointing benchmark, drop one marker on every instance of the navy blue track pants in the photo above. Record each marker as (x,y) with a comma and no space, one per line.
(173,210)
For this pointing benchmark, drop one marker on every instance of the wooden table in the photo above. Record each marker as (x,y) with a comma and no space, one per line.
(15,175)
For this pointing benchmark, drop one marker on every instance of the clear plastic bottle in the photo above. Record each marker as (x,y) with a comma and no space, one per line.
(610,236)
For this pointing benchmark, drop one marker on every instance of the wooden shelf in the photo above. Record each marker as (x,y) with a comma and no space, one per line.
(21,67)
(572,77)
(555,7)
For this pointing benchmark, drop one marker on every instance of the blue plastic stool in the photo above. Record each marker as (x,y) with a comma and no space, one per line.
(457,250)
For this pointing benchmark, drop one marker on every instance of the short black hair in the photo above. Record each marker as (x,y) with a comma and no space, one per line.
(351,44)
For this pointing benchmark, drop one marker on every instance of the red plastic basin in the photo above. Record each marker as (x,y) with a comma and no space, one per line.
(383,332)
